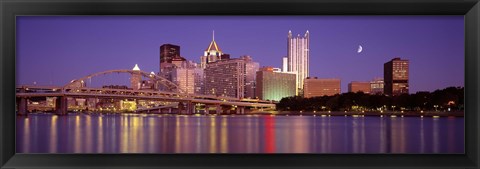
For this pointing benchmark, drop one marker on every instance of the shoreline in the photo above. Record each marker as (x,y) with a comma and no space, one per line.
(308,113)
(366,113)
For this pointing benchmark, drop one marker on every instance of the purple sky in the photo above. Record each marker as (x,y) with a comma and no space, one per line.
(52,50)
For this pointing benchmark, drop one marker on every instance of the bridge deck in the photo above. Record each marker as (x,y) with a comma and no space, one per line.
(166,98)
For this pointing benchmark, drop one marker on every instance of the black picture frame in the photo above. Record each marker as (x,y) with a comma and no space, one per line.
(11,8)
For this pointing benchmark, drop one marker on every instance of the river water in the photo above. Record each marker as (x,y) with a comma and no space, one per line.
(150,133)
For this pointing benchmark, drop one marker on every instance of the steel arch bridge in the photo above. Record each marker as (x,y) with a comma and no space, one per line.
(161,80)
(175,94)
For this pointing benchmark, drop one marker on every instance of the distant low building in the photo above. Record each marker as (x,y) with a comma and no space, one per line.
(355,87)
(315,87)
(377,85)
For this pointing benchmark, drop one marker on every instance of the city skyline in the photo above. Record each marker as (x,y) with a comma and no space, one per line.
(54,38)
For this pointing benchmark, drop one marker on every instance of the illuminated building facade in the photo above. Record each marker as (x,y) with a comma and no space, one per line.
(396,77)
(199,80)
(315,87)
(232,77)
(212,54)
(275,85)
(377,86)
(187,76)
(298,57)
(251,69)
(355,87)
(185,79)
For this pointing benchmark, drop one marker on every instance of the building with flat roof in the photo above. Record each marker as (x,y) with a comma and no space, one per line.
(275,85)
(396,76)
(231,77)
(377,86)
(251,69)
(167,53)
(315,87)
(185,78)
(356,86)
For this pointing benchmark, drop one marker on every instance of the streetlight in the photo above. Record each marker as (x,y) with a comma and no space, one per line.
(436,106)
(393,108)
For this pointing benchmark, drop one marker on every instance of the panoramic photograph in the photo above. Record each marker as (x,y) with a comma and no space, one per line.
(240,84)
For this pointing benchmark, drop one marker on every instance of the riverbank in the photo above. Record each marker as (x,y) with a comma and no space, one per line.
(366,113)
(312,113)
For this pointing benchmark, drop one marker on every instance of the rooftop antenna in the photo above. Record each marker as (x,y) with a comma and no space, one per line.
(213,35)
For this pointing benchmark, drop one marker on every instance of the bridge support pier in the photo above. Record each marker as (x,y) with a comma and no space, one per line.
(207,109)
(22,106)
(190,108)
(61,105)
(218,109)
(240,110)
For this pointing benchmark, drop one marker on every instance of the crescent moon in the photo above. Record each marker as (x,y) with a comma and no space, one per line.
(359,49)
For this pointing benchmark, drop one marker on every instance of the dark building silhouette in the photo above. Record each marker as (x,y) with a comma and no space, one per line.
(395,73)
(168,52)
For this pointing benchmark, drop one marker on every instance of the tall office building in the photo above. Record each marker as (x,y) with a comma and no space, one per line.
(377,86)
(225,78)
(315,87)
(199,74)
(188,77)
(251,69)
(395,74)
(185,78)
(213,53)
(355,87)
(169,60)
(298,57)
(167,53)
(272,85)
(136,78)
(231,78)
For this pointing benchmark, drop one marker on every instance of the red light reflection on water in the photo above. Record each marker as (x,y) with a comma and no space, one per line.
(269,134)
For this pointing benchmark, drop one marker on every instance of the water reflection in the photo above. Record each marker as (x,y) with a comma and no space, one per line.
(131,133)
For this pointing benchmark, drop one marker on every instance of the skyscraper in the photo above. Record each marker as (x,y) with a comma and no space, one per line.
(167,53)
(231,77)
(396,77)
(187,76)
(213,53)
(225,78)
(298,57)
(251,69)
(199,80)
(184,77)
